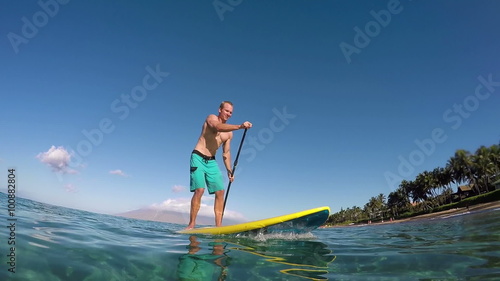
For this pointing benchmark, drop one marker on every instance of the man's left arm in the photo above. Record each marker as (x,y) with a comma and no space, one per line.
(226,156)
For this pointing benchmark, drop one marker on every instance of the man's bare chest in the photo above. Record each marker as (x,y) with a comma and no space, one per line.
(221,137)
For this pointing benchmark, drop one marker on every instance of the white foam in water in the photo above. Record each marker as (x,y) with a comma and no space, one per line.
(455,215)
(280,236)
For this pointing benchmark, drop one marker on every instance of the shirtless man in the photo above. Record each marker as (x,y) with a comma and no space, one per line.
(204,169)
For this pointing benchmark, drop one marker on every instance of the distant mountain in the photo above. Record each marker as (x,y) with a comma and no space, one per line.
(155,214)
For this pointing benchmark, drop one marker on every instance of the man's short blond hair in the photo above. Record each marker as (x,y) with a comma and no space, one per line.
(221,106)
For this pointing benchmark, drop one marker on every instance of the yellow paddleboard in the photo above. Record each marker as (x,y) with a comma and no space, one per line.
(300,222)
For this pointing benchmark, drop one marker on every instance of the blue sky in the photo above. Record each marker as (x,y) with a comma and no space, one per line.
(103,101)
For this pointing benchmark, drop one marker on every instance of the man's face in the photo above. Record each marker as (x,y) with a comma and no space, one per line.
(225,112)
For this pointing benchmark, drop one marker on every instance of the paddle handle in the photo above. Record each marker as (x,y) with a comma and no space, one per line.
(234,169)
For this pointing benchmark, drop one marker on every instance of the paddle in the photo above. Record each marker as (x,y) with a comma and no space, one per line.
(234,168)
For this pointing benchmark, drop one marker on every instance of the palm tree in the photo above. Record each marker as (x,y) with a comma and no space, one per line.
(460,166)
(404,199)
(443,178)
(356,213)
(368,209)
(376,206)
(405,188)
(421,187)
(381,204)
(372,208)
(398,200)
(411,189)
(495,159)
(425,184)
(485,168)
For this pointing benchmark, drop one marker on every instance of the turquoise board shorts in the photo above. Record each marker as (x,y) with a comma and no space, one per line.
(205,172)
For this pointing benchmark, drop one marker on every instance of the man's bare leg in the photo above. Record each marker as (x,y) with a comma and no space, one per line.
(218,206)
(195,207)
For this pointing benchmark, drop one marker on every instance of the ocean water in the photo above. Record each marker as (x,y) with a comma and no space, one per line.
(55,243)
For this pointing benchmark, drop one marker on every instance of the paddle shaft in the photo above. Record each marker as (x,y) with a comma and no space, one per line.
(232,171)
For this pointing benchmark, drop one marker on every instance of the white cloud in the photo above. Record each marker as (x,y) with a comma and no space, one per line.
(178,205)
(183,205)
(58,159)
(178,188)
(118,172)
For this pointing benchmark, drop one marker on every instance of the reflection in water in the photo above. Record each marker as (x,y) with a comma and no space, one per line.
(213,259)
(306,259)
(198,265)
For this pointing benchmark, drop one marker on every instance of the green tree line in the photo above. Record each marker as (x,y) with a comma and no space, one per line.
(430,189)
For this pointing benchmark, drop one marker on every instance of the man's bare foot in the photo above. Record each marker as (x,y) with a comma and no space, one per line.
(189,227)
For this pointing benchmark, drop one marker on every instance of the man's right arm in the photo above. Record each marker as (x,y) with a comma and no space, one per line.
(218,126)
